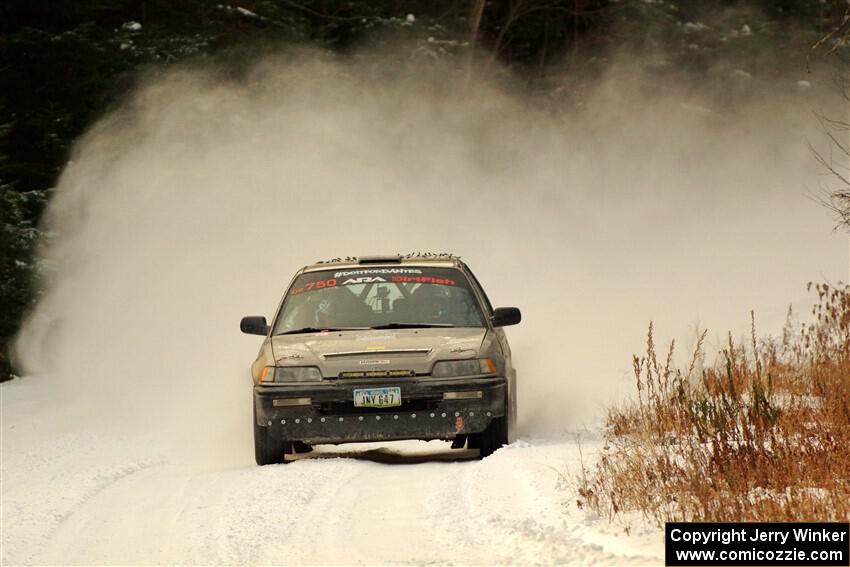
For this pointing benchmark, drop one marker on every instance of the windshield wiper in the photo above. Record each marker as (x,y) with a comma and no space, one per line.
(321,330)
(412,325)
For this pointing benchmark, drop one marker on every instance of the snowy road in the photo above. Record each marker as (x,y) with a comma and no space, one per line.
(97,496)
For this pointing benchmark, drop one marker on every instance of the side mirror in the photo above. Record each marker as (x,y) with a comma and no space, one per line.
(254,325)
(504,316)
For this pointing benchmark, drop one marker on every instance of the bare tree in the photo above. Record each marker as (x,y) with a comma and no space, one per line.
(476,10)
(835,195)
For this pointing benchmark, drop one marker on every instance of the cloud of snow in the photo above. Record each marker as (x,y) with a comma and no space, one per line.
(193,204)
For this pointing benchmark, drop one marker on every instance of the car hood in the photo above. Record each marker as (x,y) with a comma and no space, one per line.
(377,350)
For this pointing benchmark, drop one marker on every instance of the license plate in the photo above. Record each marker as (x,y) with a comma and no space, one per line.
(377,397)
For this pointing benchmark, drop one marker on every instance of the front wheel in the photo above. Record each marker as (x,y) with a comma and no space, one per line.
(492,438)
(267,449)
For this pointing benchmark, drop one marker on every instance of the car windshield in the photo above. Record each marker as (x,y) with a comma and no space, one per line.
(379,297)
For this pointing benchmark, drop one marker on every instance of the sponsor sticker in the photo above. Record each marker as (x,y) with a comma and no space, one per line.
(373,271)
(422,279)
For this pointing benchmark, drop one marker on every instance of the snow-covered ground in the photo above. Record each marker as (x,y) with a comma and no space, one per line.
(104,495)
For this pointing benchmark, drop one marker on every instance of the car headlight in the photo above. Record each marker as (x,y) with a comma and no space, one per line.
(450,368)
(291,374)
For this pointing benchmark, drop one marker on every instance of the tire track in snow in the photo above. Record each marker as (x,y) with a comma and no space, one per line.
(382,513)
(43,491)
(97,498)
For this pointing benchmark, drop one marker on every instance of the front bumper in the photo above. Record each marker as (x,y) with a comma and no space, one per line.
(330,416)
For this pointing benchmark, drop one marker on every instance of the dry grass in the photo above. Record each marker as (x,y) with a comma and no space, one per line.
(763,434)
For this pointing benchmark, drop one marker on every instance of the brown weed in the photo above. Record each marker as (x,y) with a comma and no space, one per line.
(763,434)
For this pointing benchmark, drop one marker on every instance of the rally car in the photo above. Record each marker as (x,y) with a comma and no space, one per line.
(383,348)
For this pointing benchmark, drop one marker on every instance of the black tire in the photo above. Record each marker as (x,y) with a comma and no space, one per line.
(494,437)
(267,449)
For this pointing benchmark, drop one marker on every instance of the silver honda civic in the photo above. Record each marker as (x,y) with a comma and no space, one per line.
(380,348)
